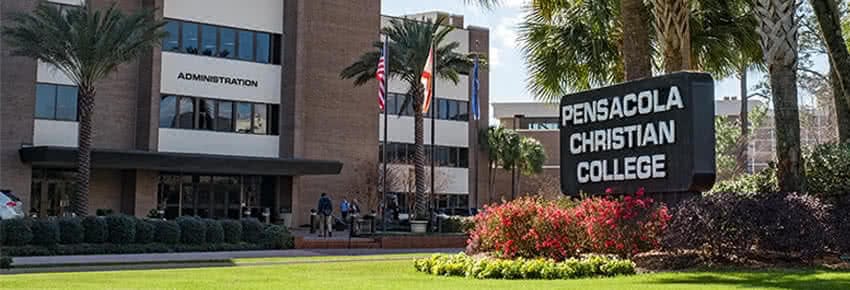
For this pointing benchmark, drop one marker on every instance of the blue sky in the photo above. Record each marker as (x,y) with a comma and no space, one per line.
(507,68)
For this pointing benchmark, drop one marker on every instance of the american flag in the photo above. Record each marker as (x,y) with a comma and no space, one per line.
(381,76)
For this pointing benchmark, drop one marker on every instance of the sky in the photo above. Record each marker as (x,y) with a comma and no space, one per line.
(507,67)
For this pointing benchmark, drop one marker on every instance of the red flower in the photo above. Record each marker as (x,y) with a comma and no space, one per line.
(609,190)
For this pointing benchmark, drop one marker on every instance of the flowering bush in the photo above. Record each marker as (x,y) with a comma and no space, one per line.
(538,268)
(531,228)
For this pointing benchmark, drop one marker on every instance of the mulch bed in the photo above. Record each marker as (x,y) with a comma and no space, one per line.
(656,261)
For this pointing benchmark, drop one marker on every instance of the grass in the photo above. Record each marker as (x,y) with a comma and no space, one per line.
(319,273)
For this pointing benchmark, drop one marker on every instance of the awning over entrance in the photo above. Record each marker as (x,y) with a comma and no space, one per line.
(52,156)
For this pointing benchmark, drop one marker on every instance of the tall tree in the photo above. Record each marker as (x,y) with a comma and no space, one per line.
(672,19)
(829,18)
(778,31)
(410,42)
(637,46)
(87,45)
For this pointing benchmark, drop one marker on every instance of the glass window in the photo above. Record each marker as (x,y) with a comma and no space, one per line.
(224,122)
(463,158)
(228,43)
(167,111)
(66,103)
(261,119)
(463,111)
(45,101)
(209,40)
(400,152)
(391,104)
(443,156)
(273,119)
(186,115)
(171,42)
(243,117)
(452,115)
(263,47)
(410,157)
(190,38)
(246,45)
(443,113)
(206,114)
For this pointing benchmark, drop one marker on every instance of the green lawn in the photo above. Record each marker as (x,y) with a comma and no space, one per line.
(312,273)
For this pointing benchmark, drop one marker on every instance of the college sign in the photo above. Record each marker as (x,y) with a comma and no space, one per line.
(656,133)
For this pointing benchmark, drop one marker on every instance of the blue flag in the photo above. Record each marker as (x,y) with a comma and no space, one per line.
(476,112)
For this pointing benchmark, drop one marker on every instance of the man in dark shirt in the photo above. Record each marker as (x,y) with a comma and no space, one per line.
(326,209)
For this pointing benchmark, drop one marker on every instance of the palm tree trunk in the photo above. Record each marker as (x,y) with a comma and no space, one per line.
(80,201)
(421,209)
(637,52)
(778,31)
(673,29)
(842,107)
(783,81)
(745,122)
(830,26)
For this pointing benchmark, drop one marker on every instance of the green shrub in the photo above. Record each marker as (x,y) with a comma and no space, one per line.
(45,232)
(103,249)
(5,262)
(166,232)
(215,233)
(828,170)
(491,268)
(749,184)
(192,230)
(122,229)
(232,231)
(95,229)
(103,212)
(71,231)
(456,224)
(17,232)
(252,230)
(277,237)
(144,231)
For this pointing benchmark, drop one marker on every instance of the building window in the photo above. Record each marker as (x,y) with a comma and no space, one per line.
(190,38)
(56,102)
(446,156)
(228,43)
(246,45)
(447,109)
(539,123)
(219,115)
(263,47)
(209,40)
(167,112)
(206,114)
(261,119)
(225,117)
(243,117)
(171,42)
(218,41)
(186,113)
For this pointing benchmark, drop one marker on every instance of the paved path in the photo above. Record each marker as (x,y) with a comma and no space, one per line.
(214,257)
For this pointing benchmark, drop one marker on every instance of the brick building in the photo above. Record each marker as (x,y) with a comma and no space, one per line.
(240,112)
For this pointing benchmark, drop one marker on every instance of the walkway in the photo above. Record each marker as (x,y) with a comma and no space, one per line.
(186,260)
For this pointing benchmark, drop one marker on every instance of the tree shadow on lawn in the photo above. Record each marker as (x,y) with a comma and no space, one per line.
(791,279)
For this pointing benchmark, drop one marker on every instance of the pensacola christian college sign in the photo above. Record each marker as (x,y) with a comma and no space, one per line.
(656,133)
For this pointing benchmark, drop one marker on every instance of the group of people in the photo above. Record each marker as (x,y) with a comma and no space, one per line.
(325,210)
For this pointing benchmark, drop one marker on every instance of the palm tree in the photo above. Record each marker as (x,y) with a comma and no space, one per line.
(508,150)
(778,30)
(494,140)
(87,45)
(410,42)
(671,23)
(532,156)
(829,18)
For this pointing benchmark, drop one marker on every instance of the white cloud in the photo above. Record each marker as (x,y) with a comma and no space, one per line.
(515,3)
(506,31)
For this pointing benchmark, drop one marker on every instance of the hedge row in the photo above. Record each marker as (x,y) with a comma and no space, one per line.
(490,268)
(118,230)
(104,249)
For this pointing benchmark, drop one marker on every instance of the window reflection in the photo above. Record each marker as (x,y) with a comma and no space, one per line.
(209,37)
(186,115)
(260,119)
(246,45)
(171,42)
(190,38)
(206,114)
(167,111)
(228,43)
(263,47)
(243,117)
(225,117)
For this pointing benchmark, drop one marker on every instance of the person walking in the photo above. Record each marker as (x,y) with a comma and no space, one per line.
(344,207)
(326,209)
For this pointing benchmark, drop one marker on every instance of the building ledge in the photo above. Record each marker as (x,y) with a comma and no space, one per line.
(55,156)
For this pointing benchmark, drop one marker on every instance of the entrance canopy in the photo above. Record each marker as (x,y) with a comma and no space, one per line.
(54,156)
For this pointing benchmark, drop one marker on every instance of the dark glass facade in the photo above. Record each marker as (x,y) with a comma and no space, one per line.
(215,196)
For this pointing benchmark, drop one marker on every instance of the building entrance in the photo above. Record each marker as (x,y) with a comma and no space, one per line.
(212,196)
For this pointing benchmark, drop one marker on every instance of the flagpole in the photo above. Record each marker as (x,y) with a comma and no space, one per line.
(477,123)
(434,107)
(386,132)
